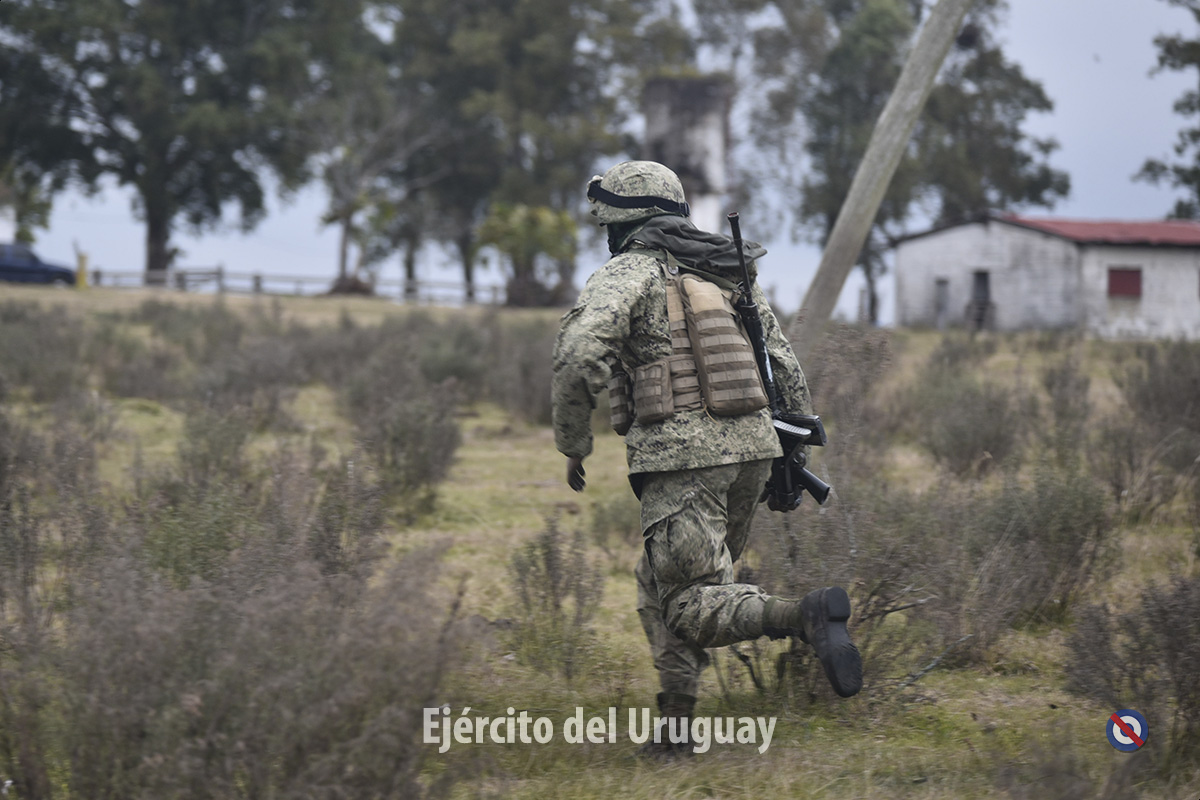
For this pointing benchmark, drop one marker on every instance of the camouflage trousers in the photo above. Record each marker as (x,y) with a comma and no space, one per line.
(695,524)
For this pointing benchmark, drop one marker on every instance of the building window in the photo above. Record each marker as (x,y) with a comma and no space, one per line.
(1125,282)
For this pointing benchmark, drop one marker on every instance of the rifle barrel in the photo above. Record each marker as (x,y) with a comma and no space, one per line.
(736,224)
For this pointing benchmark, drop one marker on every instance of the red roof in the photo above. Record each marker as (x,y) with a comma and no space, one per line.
(1171,232)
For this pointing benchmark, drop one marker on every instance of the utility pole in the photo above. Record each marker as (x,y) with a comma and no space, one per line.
(888,141)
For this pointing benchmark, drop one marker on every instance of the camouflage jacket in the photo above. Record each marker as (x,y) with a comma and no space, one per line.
(621,315)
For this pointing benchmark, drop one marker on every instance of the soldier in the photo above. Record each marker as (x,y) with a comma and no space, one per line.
(698,472)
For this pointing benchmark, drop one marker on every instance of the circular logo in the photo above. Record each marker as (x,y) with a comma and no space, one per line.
(1127,730)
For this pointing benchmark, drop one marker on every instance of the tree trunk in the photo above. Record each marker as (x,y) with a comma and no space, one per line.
(466,252)
(524,289)
(886,148)
(410,267)
(158,240)
(564,293)
(872,294)
(344,250)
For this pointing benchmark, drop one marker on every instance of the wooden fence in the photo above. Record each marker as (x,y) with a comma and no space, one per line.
(218,279)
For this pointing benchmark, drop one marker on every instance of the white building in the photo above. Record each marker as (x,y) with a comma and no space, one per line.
(1114,279)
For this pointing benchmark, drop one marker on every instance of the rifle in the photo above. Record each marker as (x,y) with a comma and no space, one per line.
(790,476)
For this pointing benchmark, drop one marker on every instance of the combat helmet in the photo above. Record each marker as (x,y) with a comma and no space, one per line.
(634,190)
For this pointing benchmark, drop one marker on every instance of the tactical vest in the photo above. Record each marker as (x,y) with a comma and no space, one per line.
(711,365)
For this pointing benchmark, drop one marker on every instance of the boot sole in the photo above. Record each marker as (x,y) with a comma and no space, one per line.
(841,659)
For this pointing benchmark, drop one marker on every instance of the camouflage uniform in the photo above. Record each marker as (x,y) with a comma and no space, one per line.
(700,476)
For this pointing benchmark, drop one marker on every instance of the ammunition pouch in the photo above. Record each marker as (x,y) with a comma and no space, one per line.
(724,356)
(620,402)
(712,363)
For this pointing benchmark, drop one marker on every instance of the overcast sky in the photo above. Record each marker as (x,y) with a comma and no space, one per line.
(1094,58)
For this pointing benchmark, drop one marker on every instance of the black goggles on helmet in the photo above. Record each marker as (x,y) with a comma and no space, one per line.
(596,193)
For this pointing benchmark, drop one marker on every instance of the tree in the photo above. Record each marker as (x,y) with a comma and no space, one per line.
(38,145)
(1179,54)
(431,38)
(534,92)
(527,235)
(367,130)
(975,157)
(187,102)
(857,78)
(827,67)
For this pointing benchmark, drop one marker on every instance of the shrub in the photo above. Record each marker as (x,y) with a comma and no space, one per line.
(957,351)
(1057,534)
(1127,457)
(1163,381)
(967,425)
(1146,658)
(558,592)
(50,527)
(204,332)
(519,374)
(1069,408)
(259,378)
(342,534)
(617,528)
(408,426)
(941,573)
(241,638)
(456,349)
(334,355)
(43,350)
(272,680)
(901,557)
(131,366)
(844,383)
(1161,387)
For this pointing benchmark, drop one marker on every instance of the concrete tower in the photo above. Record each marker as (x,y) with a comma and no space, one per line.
(687,129)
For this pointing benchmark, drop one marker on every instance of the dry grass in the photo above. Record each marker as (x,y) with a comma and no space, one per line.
(1002,726)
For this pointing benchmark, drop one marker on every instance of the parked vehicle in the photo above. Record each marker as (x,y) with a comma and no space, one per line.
(18,263)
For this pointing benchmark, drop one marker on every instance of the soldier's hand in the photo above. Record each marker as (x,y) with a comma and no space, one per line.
(575,473)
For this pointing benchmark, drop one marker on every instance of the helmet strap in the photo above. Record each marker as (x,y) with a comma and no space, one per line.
(600,194)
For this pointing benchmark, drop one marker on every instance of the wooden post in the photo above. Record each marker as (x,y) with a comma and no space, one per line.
(879,163)
(96,277)
(81,269)
(257,284)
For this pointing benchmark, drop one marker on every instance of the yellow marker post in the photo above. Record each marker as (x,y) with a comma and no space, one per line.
(81,270)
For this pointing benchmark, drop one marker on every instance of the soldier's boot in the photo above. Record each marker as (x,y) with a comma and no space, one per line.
(676,709)
(819,619)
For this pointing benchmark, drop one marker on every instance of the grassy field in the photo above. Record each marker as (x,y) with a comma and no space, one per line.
(997,722)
